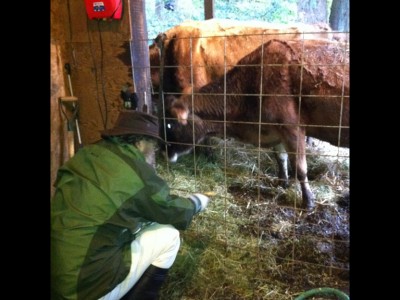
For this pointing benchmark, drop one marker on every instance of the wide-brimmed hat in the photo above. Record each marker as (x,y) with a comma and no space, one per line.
(131,122)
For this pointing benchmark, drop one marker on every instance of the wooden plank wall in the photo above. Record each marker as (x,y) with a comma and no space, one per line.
(58,147)
(91,47)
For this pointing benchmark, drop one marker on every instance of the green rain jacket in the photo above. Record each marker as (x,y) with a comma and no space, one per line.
(103,196)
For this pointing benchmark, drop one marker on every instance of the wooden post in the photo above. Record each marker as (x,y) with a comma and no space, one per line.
(140,55)
(208,9)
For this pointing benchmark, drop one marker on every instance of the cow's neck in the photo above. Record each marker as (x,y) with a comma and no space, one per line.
(213,107)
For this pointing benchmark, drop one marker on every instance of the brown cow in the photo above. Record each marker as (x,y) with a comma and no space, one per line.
(304,89)
(199,52)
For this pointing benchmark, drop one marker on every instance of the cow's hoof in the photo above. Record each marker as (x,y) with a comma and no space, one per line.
(283,183)
(308,200)
(309,206)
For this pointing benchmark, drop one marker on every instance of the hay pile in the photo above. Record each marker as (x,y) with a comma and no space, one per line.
(252,242)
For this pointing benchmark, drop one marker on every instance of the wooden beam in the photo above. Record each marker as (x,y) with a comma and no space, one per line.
(208,9)
(140,55)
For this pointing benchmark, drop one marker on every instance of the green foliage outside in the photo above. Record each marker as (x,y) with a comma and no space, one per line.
(275,11)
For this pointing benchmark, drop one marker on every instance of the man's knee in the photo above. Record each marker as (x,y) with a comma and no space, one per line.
(172,242)
(174,238)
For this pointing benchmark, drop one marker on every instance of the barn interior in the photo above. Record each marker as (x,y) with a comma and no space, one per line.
(254,241)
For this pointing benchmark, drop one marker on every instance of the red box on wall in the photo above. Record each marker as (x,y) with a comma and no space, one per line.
(104,9)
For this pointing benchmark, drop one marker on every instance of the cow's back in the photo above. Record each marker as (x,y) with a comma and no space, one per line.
(213,47)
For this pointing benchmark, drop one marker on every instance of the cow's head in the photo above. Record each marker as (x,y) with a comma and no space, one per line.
(179,107)
(180,110)
(181,139)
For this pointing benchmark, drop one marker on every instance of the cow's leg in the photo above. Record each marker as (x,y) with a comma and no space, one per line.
(296,147)
(281,157)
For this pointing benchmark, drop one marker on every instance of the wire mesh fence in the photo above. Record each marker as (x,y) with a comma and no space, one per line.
(259,122)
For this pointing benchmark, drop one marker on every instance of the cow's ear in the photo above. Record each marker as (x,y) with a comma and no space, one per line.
(161,37)
(180,111)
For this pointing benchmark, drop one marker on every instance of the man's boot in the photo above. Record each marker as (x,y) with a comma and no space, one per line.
(148,286)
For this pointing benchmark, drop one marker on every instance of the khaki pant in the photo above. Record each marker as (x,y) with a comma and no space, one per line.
(155,245)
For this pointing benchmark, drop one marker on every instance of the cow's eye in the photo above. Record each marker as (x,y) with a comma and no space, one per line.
(169,125)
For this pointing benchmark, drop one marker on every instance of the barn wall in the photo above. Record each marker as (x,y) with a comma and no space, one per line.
(58,147)
(91,48)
